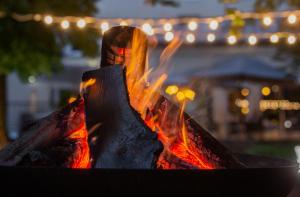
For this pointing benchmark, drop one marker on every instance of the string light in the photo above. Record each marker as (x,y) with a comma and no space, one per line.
(168,27)
(291,39)
(123,23)
(267,21)
(211,37)
(147,28)
(169,36)
(232,40)
(292,19)
(252,40)
(48,20)
(104,26)
(192,25)
(81,23)
(65,24)
(190,38)
(274,39)
(213,25)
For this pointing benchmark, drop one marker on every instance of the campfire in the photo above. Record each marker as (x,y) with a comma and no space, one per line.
(120,119)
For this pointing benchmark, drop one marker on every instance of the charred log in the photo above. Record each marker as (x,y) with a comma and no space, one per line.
(123,140)
(58,140)
(188,141)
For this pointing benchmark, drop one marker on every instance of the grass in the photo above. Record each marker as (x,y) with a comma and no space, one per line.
(275,149)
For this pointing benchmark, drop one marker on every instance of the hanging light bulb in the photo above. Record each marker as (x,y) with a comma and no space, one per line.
(267,21)
(104,26)
(192,25)
(65,24)
(48,20)
(232,40)
(169,36)
(147,28)
(211,37)
(168,27)
(292,19)
(213,25)
(274,39)
(190,38)
(252,40)
(123,23)
(291,39)
(81,23)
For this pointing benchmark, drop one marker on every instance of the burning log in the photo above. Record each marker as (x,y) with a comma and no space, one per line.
(187,140)
(123,140)
(58,140)
(186,144)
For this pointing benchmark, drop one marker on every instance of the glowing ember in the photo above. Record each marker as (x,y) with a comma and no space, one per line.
(77,133)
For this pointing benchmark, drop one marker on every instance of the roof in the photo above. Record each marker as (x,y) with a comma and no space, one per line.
(243,67)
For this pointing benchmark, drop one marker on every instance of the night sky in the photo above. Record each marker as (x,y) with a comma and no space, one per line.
(137,8)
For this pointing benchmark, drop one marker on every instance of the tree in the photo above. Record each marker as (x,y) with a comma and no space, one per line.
(32,48)
(283,52)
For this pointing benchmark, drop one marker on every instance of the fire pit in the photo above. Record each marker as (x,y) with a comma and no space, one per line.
(128,138)
(263,177)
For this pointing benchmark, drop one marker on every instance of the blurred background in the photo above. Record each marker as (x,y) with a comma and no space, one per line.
(237,67)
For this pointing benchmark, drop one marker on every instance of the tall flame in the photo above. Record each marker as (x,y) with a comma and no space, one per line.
(144,87)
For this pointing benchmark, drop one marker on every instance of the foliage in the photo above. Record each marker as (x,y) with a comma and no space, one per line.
(284,52)
(32,48)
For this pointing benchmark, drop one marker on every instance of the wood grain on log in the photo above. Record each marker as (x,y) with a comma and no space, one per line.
(123,140)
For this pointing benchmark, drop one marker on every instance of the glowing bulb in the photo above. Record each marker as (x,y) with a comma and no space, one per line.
(65,24)
(274,39)
(245,92)
(292,19)
(169,36)
(172,89)
(147,28)
(192,25)
(245,110)
(252,40)
(213,25)
(266,91)
(180,96)
(190,38)
(123,23)
(48,20)
(211,37)
(267,21)
(168,27)
(104,26)
(81,23)
(190,94)
(31,79)
(288,124)
(232,40)
(291,39)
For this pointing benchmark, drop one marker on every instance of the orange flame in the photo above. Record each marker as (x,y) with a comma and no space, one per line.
(144,95)
(78,133)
